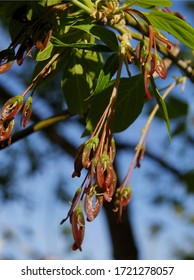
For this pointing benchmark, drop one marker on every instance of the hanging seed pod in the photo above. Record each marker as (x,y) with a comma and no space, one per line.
(158,66)
(6,60)
(6,128)
(12,107)
(78,165)
(24,50)
(73,204)
(5,66)
(110,183)
(92,209)
(90,147)
(26,112)
(106,177)
(78,227)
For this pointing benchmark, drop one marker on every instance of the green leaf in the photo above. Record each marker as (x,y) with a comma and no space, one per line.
(174,25)
(108,70)
(150,3)
(78,79)
(129,104)
(44,54)
(101,33)
(162,106)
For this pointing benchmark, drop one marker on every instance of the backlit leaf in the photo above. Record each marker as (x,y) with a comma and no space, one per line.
(173,25)
(150,3)
(106,73)
(78,78)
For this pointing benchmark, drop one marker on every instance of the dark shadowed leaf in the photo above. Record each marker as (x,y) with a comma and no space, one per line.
(101,33)
(189,180)
(176,107)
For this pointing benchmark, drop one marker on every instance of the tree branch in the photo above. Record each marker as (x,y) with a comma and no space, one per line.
(39,125)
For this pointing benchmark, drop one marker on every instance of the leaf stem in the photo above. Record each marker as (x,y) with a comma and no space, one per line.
(145,130)
(82,6)
(40,74)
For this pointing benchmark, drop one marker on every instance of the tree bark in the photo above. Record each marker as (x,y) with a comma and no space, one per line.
(122,237)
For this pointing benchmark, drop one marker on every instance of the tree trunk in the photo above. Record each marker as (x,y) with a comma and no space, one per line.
(123,243)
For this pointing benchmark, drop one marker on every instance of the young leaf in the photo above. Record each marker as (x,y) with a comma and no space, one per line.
(150,3)
(174,25)
(162,106)
(129,103)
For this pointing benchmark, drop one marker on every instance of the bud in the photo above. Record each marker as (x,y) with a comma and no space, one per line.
(112,150)
(11,107)
(27,112)
(78,227)
(142,51)
(126,196)
(122,198)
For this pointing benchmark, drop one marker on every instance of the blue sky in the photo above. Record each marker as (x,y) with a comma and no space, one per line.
(33,222)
